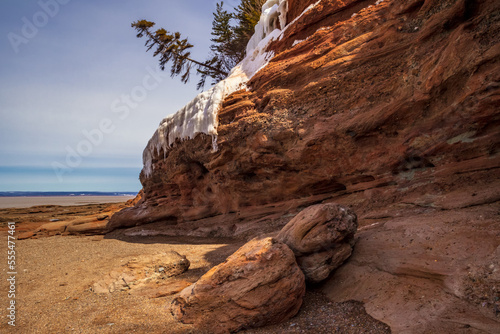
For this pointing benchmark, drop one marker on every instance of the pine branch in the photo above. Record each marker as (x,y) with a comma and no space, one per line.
(170,47)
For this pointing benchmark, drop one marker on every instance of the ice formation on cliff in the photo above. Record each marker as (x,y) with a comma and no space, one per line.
(200,115)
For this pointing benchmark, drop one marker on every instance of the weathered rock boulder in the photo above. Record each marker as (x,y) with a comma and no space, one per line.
(321,237)
(258,285)
(318,266)
(146,275)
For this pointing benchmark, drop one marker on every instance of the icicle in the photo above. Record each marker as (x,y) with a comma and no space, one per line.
(200,115)
(215,147)
(283,10)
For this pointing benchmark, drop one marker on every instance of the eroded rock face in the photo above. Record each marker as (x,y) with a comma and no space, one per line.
(384,106)
(427,271)
(321,237)
(259,284)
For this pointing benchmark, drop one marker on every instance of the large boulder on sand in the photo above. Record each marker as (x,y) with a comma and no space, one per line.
(259,284)
(321,237)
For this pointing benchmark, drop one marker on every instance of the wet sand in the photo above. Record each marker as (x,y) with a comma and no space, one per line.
(26,202)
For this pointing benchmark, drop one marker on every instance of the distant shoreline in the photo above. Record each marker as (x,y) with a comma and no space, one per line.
(18,202)
(64,193)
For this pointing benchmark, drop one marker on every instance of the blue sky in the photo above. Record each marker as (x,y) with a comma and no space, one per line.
(79,95)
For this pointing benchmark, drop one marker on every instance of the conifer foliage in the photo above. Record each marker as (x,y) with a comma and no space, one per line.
(223,55)
(247,15)
(230,35)
(170,47)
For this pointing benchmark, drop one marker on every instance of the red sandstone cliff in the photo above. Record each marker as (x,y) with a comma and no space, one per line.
(400,99)
(391,108)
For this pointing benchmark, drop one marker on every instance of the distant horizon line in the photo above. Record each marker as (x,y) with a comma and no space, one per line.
(66,193)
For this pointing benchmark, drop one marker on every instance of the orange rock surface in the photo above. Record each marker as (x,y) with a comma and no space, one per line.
(395,102)
(259,284)
(390,108)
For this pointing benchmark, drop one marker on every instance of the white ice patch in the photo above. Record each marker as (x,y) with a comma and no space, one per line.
(200,115)
(273,12)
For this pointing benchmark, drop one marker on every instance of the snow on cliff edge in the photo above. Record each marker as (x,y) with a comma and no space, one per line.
(200,115)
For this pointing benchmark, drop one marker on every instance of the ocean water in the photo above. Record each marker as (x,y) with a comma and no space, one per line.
(39,179)
(22,187)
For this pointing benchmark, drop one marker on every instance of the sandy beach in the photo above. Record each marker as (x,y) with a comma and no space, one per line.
(26,202)
(55,275)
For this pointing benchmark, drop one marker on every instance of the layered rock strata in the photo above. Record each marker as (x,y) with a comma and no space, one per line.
(321,237)
(259,284)
(398,100)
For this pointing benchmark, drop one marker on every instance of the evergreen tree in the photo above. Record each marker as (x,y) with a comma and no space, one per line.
(223,55)
(227,50)
(248,15)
